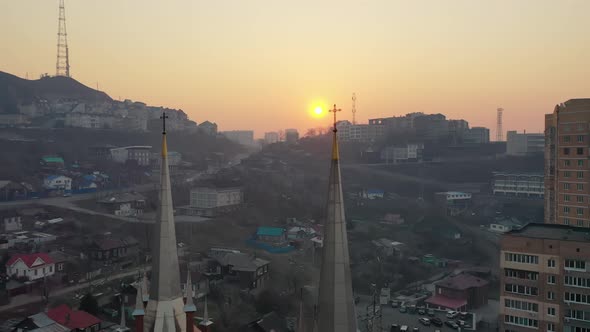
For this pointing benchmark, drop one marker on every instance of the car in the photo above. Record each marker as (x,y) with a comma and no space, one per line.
(421,311)
(452,314)
(452,324)
(415,329)
(424,321)
(394,328)
(431,312)
(403,309)
(436,321)
(394,304)
(463,315)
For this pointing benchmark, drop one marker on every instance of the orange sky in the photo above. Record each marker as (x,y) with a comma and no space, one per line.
(261,64)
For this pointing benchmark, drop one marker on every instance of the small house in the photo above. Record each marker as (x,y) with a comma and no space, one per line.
(272,235)
(30,266)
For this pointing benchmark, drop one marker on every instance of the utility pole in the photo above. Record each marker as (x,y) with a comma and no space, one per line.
(62,67)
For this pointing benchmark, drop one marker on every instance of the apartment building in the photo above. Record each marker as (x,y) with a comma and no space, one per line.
(518,184)
(518,144)
(567,164)
(545,279)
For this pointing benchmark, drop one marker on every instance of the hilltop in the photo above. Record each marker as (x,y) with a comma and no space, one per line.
(15,90)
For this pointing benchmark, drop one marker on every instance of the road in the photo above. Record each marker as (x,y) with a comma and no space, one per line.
(26,299)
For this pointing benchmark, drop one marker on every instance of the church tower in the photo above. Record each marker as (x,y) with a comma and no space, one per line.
(336,312)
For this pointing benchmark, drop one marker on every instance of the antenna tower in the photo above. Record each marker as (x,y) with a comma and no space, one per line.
(62,67)
(353,108)
(499,132)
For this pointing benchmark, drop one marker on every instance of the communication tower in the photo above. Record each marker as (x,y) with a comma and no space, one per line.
(62,67)
(499,132)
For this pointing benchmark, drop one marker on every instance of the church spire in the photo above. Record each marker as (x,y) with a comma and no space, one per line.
(164,310)
(335,301)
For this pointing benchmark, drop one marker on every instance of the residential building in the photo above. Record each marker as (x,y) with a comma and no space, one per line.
(174,159)
(461,292)
(207,201)
(525,143)
(243,137)
(360,132)
(113,249)
(402,154)
(518,184)
(52,162)
(30,266)
(124,204)
(100,152)
(431,127)
(75,320)
(10,221)
(387,247)
(38,322)
(10,240)
(10,190)
(291,136)
(249,271)
(454,202)
(208,128)
(298,232)
(137,153)
(567,167)
(544,279)
(477,135)
(271,137)
(58,182)
(272,235)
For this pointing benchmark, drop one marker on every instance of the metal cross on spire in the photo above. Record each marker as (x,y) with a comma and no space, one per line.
(164,117)
(334,110)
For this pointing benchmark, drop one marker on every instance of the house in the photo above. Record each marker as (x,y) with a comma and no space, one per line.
(57,182)
(207,127)
(124,204)
(372,193)
(388,247)
(250,272)
(31,266)
(109,249)
(10,221)
(273,235)
(10,190)
(39,322)
(60,259)
(137,153)
(461,292)
(298,232)
(53,162)
(205,201)
(13,239)
(75,320)
(452,202)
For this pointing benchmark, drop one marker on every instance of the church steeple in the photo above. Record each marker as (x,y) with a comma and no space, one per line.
(336,312)
(164,310)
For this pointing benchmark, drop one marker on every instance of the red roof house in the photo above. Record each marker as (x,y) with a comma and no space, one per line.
(461,292)
(76,320)
(30,259)
(30,266)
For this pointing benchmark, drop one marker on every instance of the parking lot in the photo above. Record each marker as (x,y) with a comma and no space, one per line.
(393,316)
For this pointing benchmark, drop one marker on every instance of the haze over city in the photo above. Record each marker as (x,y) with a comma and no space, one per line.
(263,65)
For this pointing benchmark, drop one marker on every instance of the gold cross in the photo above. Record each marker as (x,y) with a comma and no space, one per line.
(164,117)
(334,110)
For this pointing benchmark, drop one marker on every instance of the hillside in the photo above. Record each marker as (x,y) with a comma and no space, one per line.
(15,90)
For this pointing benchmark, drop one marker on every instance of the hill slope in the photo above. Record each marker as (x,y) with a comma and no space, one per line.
(15,90)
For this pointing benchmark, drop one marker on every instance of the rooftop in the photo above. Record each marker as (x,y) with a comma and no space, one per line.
(30,259)
(270,231)
(462,281)
(73,319)
(552,232)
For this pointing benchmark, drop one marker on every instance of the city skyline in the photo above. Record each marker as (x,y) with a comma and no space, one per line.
(220,61)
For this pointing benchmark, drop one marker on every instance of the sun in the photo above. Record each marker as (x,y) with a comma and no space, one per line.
(318,110)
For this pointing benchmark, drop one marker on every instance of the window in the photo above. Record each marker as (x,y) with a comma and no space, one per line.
(578,315)
(580,199)
(551,279)
(36,271)
(551,311)
(551,263)
(566,186)
(580,211)
(580,163)
(576,298)
(575,264)
(566,198)
(579,282)
(520,274)
(521,289)
(567,138)
(550,327)
(566,163)
(579,151)
(580,186)
(580,175)
(550,296)
(566,209)
(567,174)
(580,138)
(580,223)
(566,151)
(521,305)
(566,221)
(521,258)
(521,321)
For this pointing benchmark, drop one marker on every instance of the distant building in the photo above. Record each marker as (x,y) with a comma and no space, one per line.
(10,221)
(389,247)
(291,136)
(113,249)
(359,132)
(208,128)
(525,143)
(100,152)
(453,202)
(211,201)
(14,120)
(10,190)
(38,322)
(460,293)
(174,159)
(431,127)
(30,266)
(10,240)
(243,137)
(138,153)
(477,135)
(57,182)
(271,137)
(298,232)
(124,204)
(251,272)
(75,320)
(520,185)
(273,235)
(402,154)
(52,162)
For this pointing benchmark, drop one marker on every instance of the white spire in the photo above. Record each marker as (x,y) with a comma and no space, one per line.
(139,310)
(189,305)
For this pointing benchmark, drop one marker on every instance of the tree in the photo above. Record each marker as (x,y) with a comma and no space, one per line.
(89,304)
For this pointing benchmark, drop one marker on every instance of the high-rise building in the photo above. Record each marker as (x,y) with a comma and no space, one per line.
(567,167)
(244,137)
(477,135)
(544,280)
(291,136)
(271,137)
(524,144)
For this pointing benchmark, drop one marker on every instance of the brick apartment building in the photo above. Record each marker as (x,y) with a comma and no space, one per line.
(567,164)
(545,279)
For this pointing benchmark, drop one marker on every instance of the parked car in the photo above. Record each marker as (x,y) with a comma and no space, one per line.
(424,321)
(463,315)
(404,328)
(394,328)
(460,322)
(422,311)
(452,314)
(452,324)
(436,321)
(415,329)
(394,304)
(431,312)
(403,309)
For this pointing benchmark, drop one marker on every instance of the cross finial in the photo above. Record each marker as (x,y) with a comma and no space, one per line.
(164,117)
(334,110)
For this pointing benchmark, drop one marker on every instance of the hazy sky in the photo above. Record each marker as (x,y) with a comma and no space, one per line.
(262,64)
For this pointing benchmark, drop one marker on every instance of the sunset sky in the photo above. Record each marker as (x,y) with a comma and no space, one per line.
(263,65)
